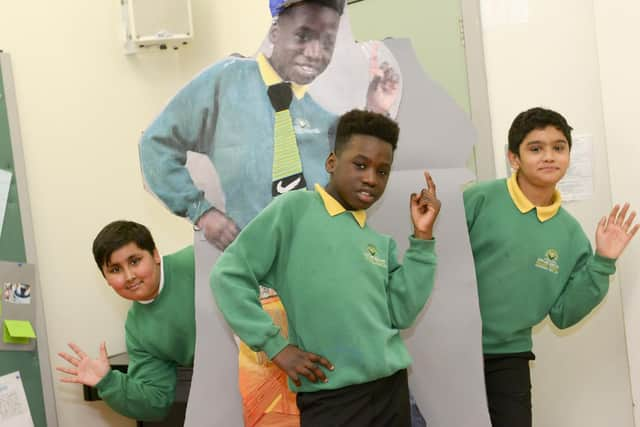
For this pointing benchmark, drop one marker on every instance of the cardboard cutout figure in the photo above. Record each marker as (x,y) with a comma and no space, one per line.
(233,114)
(445,343)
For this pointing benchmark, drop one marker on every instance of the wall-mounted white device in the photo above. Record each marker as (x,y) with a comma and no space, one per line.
(163,24)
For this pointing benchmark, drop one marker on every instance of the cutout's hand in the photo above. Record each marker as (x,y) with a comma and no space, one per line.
(295,362)
(383,84)
(86,371)
(219,229)
(615,232)
(425,208)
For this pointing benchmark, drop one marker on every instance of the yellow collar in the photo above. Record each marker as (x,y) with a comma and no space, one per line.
(334,207)
(271,77)
(524,205)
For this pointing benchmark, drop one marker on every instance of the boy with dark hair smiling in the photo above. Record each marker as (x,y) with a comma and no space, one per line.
(160,327)
(345,293)
(533,259)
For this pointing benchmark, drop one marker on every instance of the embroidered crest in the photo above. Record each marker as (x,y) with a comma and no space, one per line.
(370,255)
(549,262)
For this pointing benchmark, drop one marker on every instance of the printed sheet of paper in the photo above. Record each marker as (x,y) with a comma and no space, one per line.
(14,408)
(577,184)
(5,182)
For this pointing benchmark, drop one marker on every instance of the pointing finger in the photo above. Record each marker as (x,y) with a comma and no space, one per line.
(431,186)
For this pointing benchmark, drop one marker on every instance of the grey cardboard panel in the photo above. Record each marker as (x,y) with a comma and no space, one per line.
(445,342)
(214,398)
(434,131)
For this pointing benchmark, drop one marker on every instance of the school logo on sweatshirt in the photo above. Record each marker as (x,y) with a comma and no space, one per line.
(549,262)
(370,255)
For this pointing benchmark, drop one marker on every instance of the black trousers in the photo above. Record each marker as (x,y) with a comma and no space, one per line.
(380,403)
(508,384)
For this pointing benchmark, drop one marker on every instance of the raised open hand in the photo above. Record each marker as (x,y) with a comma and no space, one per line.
(384,84)
(615,232)
(85,370)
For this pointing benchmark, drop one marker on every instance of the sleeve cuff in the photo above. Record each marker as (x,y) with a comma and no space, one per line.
(426,248)
(198,208)
(603,264)
(275,345)
(106,381)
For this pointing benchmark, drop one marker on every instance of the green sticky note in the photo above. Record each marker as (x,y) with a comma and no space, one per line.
(17,331)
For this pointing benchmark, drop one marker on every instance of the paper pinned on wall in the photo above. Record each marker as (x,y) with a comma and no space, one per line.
(14,408)
(497,13)
(577,183)
(17,332)
(5,183)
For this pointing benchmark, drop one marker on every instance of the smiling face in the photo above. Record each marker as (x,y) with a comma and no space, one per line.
(133,273)
(542,159)
(303,39)
(359,171)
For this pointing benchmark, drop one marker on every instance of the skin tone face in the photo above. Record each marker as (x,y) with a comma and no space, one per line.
(542,161)
(303,41)
(359,174)
(133,273)
(360,171)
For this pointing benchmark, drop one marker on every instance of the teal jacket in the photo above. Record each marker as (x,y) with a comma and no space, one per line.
(225,113)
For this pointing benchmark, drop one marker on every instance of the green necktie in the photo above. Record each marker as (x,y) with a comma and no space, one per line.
(287,167)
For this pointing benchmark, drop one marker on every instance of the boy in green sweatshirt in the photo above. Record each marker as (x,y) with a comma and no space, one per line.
(533,259)
(160,327)
(345,294)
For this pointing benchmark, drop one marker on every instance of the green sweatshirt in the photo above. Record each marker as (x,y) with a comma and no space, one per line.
(528,268)
(345,294)
(160,336)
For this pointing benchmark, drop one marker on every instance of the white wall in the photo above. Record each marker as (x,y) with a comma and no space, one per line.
(618,34)
(544,52)
(82,106)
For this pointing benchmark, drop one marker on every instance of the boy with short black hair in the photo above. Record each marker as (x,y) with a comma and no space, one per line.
(345,294)
(533,259)
(160,326)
